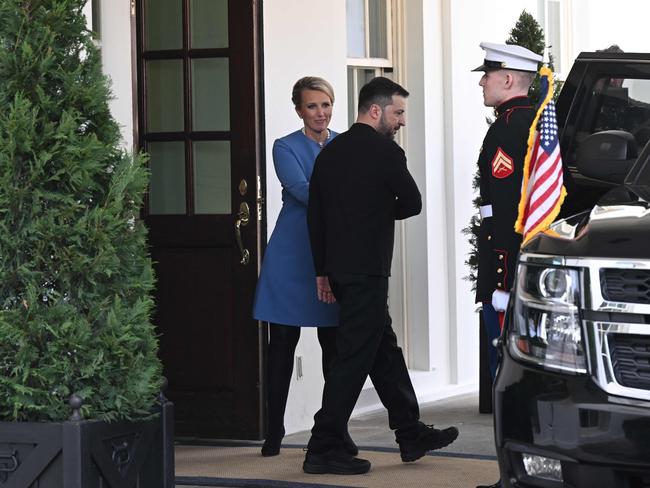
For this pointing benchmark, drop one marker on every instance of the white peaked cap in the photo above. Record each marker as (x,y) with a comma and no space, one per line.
(508,56)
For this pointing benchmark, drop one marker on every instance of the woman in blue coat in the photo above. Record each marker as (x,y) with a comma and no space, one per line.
(286,294)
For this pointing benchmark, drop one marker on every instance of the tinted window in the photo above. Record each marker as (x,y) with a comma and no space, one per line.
(616,97)
(601,93)
(624,105)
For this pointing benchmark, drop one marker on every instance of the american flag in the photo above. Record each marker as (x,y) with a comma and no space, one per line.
(542,187)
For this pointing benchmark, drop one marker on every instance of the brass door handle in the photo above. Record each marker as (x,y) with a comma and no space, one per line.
(243,216)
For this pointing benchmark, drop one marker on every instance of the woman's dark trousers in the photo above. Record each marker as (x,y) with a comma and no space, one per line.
(282,346)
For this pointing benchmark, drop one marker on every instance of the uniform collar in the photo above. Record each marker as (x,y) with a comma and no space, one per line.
(514,102)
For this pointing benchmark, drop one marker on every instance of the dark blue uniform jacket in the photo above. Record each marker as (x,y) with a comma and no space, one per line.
(501,164)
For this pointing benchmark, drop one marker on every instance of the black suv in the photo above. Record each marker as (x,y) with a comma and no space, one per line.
(572,395)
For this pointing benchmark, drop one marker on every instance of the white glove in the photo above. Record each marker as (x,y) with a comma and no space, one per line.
(500,300)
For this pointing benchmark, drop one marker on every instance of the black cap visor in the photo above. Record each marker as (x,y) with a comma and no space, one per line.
(490,66)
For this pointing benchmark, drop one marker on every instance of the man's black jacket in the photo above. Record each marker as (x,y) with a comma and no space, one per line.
(359,187)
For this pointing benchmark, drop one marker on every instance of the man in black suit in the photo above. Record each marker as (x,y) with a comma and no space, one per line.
(359,187)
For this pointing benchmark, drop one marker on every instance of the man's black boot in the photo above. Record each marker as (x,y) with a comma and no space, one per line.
(427,439)
(348,444)
(336,461)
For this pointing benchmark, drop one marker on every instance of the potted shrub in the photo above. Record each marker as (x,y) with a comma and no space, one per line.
(79,382)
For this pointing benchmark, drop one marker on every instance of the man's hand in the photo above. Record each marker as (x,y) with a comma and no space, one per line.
(324,290)
(500,300)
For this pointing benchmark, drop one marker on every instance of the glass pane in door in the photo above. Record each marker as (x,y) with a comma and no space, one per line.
(167,183)
(212,177)
(163,24)
(210,94)
(164,84)
(209,25)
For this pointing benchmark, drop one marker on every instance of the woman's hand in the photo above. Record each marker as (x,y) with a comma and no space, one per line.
(324,290)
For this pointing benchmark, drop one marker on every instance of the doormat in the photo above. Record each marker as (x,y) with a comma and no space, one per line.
(244,466)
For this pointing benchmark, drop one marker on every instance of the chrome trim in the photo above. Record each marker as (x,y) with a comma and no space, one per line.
(599,304)
(601,361)
(547,259)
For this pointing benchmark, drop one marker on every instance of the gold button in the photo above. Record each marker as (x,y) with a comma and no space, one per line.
(499,285)
(499,270)
(500,256)
(489,238)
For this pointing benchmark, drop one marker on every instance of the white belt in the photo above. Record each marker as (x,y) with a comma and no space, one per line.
(486,211)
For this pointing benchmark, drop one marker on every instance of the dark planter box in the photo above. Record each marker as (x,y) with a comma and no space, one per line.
(89,453)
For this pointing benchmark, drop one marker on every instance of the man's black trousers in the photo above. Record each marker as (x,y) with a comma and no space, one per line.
(366,345)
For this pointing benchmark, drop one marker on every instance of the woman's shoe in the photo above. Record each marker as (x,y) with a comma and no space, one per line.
(348,445)
(272,445)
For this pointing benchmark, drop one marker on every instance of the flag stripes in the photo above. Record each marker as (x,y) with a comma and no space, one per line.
(542,186)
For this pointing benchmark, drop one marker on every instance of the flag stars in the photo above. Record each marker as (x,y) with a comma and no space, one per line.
(548,126)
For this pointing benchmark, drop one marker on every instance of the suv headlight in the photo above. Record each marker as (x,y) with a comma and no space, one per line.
(545,326)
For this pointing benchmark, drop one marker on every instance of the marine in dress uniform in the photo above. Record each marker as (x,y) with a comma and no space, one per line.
(508,73)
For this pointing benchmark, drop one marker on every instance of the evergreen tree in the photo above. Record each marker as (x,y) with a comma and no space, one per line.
(529,34)
(75,276)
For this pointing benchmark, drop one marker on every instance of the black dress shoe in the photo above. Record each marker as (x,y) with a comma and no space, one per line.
(348,445)
(428,439)
(334,462)
(272,444)
(495,485)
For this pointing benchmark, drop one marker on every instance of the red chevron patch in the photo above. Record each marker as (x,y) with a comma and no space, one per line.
(502,164)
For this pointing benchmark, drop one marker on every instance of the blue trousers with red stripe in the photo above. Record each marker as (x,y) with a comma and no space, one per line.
(493,329)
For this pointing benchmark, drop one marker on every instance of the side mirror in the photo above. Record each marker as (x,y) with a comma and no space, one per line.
(607,155)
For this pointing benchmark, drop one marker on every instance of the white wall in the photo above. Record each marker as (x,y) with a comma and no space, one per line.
(116,59)
(600,23)
(301,37)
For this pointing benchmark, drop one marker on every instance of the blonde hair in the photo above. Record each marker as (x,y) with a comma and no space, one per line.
(310,83)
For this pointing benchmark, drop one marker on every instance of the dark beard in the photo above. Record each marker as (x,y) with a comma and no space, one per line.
(384,129)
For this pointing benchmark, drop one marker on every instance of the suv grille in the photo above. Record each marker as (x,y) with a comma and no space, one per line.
(625,285)
(630,356)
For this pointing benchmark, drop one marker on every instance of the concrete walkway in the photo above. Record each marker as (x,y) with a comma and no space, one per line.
(476,431)
(371,430)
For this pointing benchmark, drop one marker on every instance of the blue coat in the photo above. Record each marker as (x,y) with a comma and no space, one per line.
(286,290)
